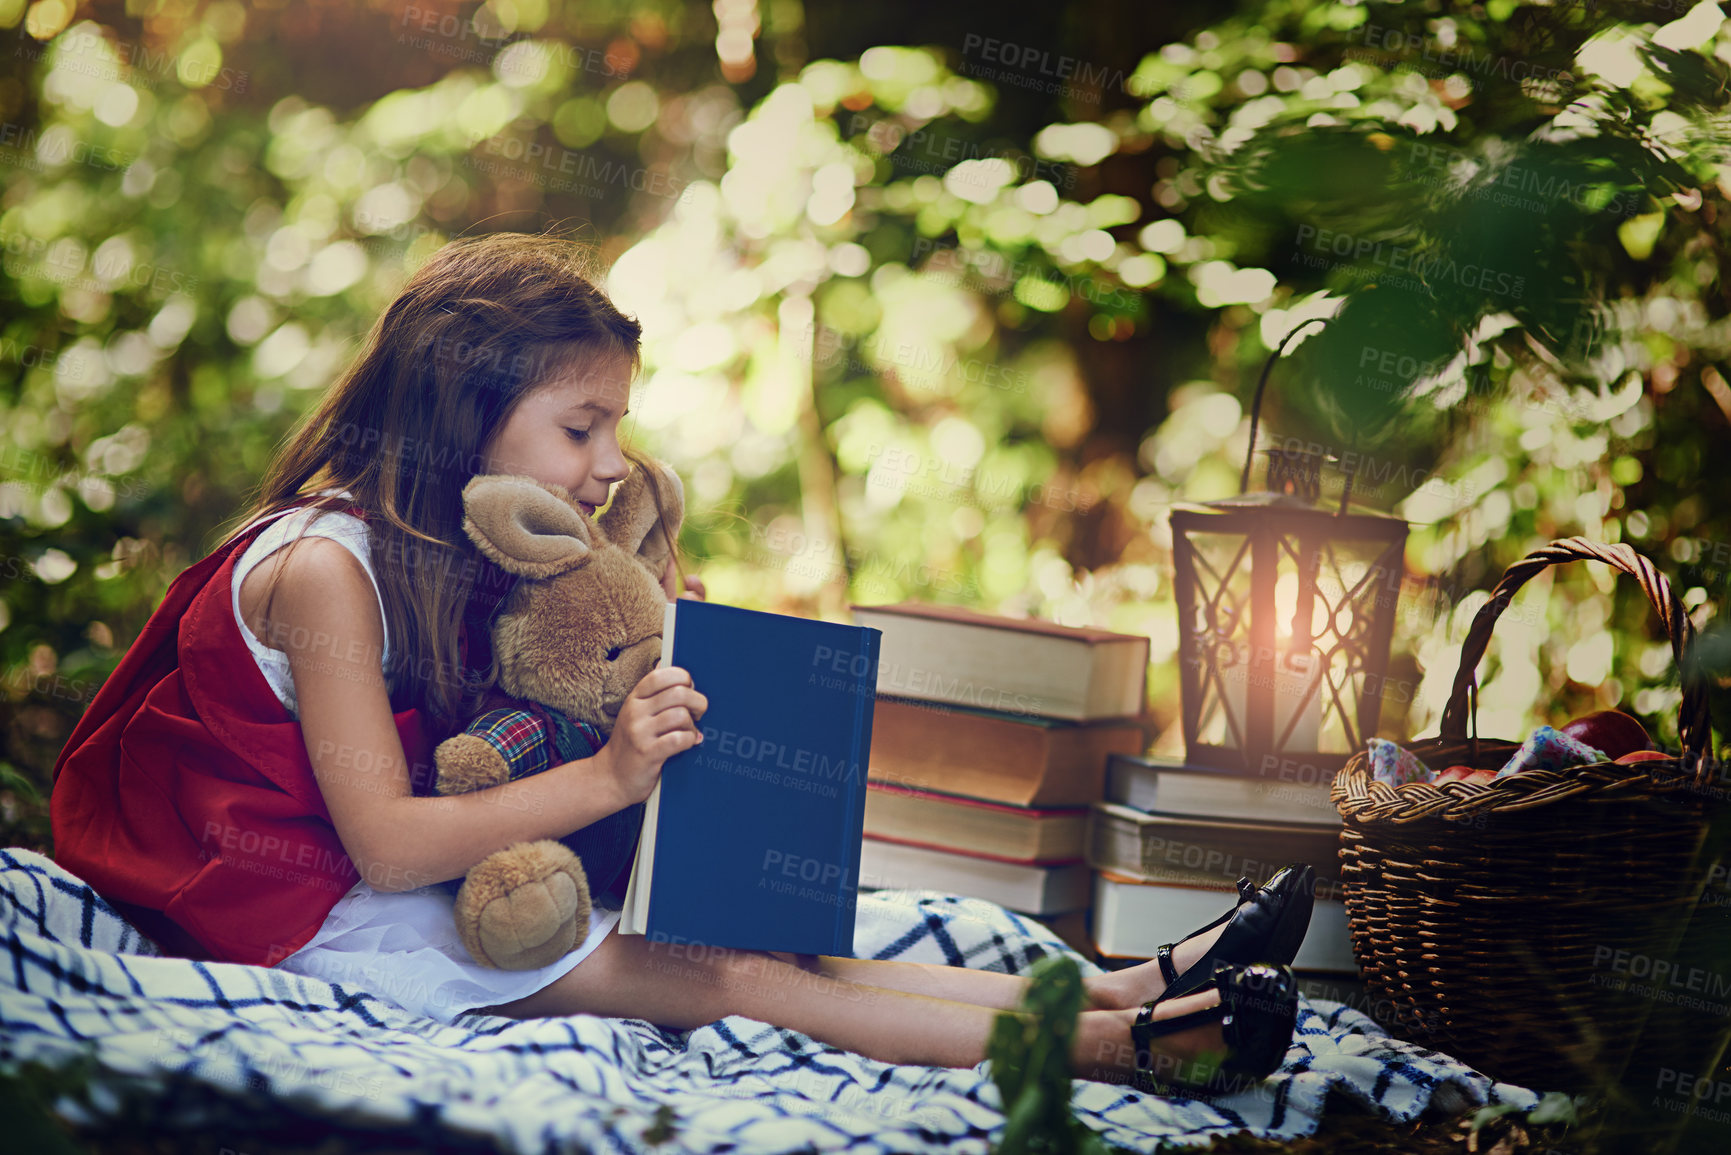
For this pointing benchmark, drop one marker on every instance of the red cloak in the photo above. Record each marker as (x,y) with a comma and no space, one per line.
(185,795)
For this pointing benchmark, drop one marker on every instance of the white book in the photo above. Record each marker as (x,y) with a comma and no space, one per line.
(1019,886)
(1173,788)
(1207,852)
(634,919)
(1134,919)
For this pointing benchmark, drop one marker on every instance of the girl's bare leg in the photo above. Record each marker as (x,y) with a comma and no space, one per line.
(1127,989)
(628,976)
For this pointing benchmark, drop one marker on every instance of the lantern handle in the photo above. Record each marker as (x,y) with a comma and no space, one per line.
(1256,402)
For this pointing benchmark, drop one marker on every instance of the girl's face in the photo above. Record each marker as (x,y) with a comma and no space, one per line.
(565,431)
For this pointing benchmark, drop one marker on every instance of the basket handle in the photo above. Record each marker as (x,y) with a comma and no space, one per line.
(1692,722)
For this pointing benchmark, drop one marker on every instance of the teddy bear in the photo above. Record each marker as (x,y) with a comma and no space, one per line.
(578,630)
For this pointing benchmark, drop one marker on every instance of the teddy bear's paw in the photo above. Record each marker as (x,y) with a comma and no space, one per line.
(468,762)
(524,907)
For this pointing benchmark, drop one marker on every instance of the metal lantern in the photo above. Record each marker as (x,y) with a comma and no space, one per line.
(1285,615)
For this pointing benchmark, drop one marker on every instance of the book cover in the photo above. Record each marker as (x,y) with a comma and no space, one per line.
(1015,759)
(752,838)
(1019,665)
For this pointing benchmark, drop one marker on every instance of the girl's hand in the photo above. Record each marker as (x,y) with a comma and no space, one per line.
(657,721)
(669,583)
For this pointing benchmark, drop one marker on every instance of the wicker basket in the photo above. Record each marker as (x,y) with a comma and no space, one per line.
(1490,917)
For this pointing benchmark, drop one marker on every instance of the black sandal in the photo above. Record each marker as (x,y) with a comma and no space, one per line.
(1257,1014)
(1271,930)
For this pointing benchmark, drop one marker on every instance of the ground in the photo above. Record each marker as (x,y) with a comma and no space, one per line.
(1343,1132)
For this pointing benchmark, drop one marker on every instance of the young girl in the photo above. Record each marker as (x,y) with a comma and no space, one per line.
(249,785)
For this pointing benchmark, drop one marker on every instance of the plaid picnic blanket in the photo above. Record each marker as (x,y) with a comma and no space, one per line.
(229,1047)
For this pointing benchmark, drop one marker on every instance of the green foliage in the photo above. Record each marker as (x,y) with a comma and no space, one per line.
(1554,1107)
(27,1093)
(1433,225)
(1711,662)
(1030,1055)
(10,779)
(664,1127)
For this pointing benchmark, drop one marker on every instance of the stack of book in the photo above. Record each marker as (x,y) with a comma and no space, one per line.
(989,744)
(1169,841)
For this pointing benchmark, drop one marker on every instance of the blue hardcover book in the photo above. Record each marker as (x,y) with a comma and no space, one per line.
(751,839)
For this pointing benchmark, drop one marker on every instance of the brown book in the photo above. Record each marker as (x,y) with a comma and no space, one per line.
(974,826)
(1016,665)
(993,756)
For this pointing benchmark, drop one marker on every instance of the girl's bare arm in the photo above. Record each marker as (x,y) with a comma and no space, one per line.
(326,618)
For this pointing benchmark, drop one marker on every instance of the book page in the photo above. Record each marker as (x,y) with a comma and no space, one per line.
(635,917)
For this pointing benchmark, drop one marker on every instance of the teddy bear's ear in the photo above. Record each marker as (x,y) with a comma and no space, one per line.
(526,527)
(630,521)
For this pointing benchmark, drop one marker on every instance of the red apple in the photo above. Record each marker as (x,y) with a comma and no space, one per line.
(1452,774)
(1480,778)
(1634,756)
(1612,731)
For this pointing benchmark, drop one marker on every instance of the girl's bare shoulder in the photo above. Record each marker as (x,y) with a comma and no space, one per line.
(312,582)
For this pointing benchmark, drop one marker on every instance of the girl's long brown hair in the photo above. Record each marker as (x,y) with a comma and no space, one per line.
(481,323)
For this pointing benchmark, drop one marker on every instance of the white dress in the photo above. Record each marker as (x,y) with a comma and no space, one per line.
(403,945)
